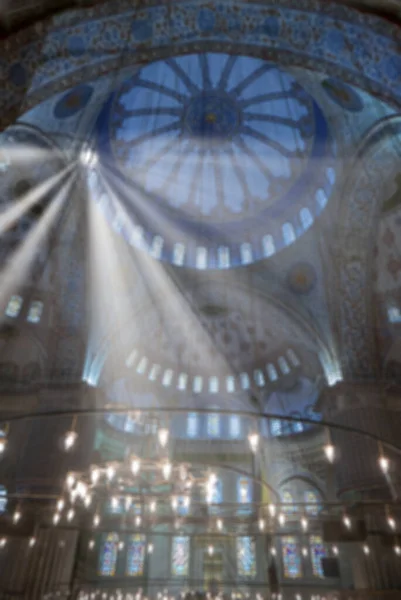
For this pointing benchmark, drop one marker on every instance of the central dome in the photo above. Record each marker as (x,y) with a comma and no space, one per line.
(232,141)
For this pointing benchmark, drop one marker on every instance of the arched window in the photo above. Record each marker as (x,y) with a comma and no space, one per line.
(131,358)
(182,381)
(244,378)
(142,365)
(108,555)
(3,499)
(291,557)
(246,557)
(213,385)
(235,426)
(311,500)
(275,427)
(317,551)
(271,372)
(297,426)
(35,311)
(180,556)
(288,234)
(14,306)
(293,357)
(244,490)
(306,218)
(213,425)
(178,254)
(201,257)
(167,377)
(331,175)
(283,364)
(268,245)
(192,425)
(136,555)
(197,384)
(246,253)
(289,507)
(157,246)
(259,378)
(215,496)
(223,257)
(230,383)
(154,372)
(321,198)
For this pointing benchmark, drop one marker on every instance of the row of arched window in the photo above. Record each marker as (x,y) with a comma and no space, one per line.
(14,307)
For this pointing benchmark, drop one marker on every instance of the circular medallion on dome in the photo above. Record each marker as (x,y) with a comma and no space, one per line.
(212,160)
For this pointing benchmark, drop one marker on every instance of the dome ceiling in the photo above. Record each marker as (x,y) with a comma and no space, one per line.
(232,142)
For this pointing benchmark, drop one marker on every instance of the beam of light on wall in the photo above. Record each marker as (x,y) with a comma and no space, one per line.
(16,270)
(30,199)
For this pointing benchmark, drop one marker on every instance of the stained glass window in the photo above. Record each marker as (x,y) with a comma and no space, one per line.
(283,364)
(275,427)
(318,552)
(3,498)
(289,506)
(244,493)
(213,425)
(246,562)
(216,496)
(35,311)
(272,372)
(14,306)
(312,502)
(108,555)
(180,556)
(136,555)
(288,233)
(235,426)
(297,426)
(192,425)
(291,557)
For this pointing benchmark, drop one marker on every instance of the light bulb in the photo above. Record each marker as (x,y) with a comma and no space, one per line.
(330,452)
(16,516)
(152,506)
(210,550)
(115,503)
(397,550)
(82,489)
(32,542)
(272,510)
(137,520)
(304,523)
(174,503)
(56,518)
(391,523)
(95,474)
(91,544)
(347,521)
(384,464)
(70,514)
(219,524)
(70,480)
(60,505)
(3,542)
(135,466)
(163,435)
(305,551)
(366,549)
(253,439)
(335,550)
(273,551)
(110,471)
(150,548)
(121,545)
(88,500)
(167,468)
(281,519)
(69,440)
(96,520)
(73,495)
(3,444)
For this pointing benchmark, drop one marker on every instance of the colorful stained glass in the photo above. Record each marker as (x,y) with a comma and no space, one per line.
(318,551)
(192,425)
(14,306)
(35,311)
(136,555)
(246,557)
(244,493)
(180,556)
(289,506)
(213,425)
(108,555)
(312,502)
(291,557)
